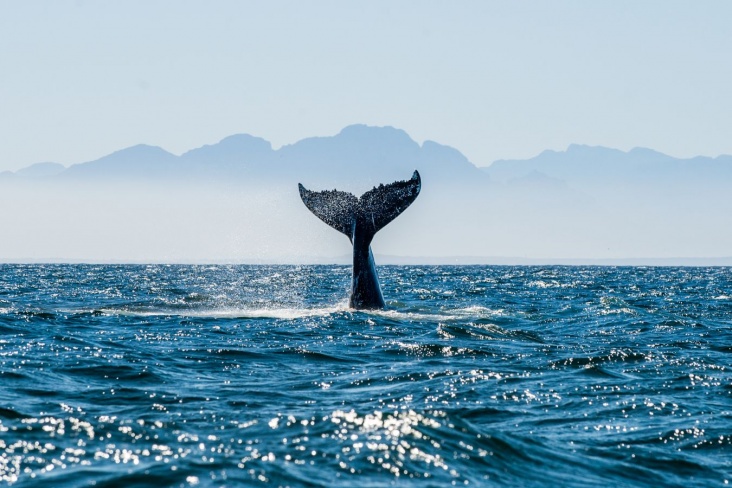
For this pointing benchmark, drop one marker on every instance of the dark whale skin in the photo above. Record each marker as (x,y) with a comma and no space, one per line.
(360,219)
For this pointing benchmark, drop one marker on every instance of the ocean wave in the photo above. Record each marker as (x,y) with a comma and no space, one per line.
(478,376)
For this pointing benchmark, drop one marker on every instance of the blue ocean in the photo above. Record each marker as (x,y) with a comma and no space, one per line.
(188,375)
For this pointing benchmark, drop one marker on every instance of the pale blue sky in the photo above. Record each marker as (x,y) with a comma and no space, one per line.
(496,80)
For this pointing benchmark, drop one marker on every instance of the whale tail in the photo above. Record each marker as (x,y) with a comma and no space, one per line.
(360,219)
(366,215)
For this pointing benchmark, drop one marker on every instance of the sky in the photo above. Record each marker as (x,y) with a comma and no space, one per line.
(494,79)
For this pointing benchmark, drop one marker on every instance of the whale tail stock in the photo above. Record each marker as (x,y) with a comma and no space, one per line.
(360,219)
(365,216)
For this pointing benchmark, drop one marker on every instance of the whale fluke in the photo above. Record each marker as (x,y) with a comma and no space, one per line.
(360,219)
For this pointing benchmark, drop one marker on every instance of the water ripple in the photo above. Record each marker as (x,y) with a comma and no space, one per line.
(490,376)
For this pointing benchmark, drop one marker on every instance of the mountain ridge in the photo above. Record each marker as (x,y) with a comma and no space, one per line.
(357,147)
(599,166)
(358,155)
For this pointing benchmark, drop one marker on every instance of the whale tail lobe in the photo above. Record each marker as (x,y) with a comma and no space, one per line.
(366,215)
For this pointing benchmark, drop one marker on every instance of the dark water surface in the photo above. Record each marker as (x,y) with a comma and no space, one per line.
(476,375)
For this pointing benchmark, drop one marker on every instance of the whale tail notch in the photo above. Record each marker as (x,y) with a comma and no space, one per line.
(371,213)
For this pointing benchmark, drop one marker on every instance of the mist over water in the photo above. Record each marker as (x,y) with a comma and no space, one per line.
(501,376)
(143,222)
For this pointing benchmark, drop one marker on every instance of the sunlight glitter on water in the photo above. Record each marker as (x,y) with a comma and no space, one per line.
(211,376)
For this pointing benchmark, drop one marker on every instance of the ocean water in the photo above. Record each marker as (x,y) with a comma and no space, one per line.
(474,376)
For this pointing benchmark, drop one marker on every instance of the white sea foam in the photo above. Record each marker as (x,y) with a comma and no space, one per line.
(466,313)
(294,313)
(478,312)
(410,316)
(265,313)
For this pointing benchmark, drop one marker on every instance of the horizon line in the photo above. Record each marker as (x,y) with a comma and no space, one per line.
(386,260)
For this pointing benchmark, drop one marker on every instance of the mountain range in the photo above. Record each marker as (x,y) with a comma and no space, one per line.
(237,200)
(363,155)
(357,155)
(601,167)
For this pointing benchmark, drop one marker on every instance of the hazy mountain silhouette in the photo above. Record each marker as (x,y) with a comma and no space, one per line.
(240,156)
(34,172)
(237,200)
(358,155)
(366,156)
(141,161)
(597,167)
(41,170)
